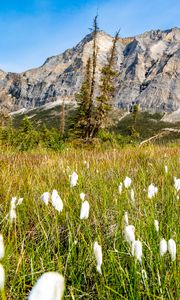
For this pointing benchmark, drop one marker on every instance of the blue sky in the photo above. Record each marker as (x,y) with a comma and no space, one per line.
(32,30)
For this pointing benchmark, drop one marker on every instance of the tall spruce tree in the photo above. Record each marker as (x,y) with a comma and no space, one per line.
(84,103)
(104,101)
(85,114)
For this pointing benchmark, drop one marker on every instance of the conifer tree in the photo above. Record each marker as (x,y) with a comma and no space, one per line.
(104,101)
(84,103)
(85,119)
(90,113)
(26,125)
(135,111)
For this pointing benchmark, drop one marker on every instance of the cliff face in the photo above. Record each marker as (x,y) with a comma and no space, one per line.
(148,66)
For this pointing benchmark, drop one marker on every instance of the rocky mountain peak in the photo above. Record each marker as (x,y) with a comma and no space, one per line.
(148,66)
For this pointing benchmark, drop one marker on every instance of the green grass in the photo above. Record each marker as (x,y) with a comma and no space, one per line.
(42,240)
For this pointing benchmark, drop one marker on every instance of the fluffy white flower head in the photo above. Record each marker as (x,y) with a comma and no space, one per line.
(152,190)
(127,182)
(45,197)
(98,255)
(82,196)
(84,214)
(12,215)
(172,249)
(163,247)
(129,233)
(156,224)
(137,250)
(20,201)
(120,187)
(177,184)
(73,179)
(50,286)
(13,202)
(57,201)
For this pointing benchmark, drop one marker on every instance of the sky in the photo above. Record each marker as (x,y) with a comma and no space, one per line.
(33,30)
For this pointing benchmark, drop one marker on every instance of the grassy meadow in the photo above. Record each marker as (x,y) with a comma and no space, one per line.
(41,239)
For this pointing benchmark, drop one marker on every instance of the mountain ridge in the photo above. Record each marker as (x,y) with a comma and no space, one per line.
(148,66)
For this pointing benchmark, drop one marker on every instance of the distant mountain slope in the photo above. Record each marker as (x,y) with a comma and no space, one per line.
(148,66)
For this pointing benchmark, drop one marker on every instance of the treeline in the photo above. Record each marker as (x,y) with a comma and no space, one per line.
(26,137)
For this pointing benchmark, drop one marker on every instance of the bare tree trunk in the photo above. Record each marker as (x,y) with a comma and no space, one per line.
(62,120)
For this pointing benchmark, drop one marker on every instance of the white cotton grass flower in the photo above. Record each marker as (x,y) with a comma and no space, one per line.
(12,215)
(2,248)
(177,184)
(73,179)
(137,250)
(82,196)
(129,233)
(172,249)
(127,182)
(166,169)
(126,221)
(50,286)
(120,188)
(152,190)
(45,197)
(19,201)
(57,201)
(84,214)
(13,202)
(156,225)
(2,277)
(98,255)
(163,247)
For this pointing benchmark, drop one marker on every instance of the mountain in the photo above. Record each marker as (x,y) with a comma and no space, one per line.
(148,66)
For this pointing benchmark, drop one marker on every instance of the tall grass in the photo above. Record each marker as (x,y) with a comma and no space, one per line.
(42,240)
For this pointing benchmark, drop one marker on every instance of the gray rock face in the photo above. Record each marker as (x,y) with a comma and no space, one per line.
(148,67)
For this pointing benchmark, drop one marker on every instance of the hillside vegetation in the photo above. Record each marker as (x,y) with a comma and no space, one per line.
(146,125)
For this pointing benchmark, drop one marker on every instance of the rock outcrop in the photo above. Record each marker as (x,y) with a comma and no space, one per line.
(148,66)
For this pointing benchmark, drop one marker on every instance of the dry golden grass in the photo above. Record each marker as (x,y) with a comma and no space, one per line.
(42,240)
